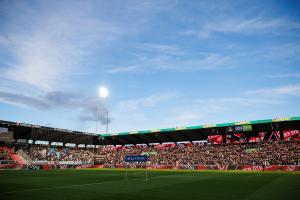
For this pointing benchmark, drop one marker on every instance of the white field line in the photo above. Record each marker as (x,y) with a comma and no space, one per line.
(169,176)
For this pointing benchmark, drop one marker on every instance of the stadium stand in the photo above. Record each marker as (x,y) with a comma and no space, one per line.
(229,146)
(4,153)
(171,155)
(267,153)
(40,153)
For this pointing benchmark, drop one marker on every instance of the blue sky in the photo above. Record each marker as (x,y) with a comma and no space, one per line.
(167,63)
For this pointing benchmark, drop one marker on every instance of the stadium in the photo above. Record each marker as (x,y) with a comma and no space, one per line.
(149,99)
(172,163)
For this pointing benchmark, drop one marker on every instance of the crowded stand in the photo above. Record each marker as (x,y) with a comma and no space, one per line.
(56,154)
(170,154)
(275,153)
(4,155)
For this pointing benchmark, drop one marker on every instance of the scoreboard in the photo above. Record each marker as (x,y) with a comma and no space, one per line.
(239,128)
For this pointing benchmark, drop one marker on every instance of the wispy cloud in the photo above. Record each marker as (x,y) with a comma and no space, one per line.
(54,46)
(293,90)
(159,62)
(190,110)
(284,75)
(148,102)
(286,53)
(137,113)
(124,69)
(205,110)
(244,26)
(22,100)
(162,48)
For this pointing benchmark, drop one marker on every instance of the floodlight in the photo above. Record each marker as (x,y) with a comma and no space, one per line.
(103,92)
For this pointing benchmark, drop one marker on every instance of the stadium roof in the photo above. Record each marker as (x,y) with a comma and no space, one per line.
(201,132)
(181,128)
(177,134)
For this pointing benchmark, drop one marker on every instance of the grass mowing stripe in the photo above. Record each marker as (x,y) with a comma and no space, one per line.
(162,184)
(61,187)
(98,183)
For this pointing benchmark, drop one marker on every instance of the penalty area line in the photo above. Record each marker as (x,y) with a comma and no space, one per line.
(61,187)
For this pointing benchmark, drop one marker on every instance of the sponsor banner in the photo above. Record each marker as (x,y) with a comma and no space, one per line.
(40,162)
(254,139)
(70,162)
(262,135)
(206,167)
(287,135)
(190,167)
(286,168)
(237,138)
(272,168)
(187,167)
(252,168)
(282,168)
(215,139)
(247,127)
(44,162)
(136,158)
(12,166)
(96,166)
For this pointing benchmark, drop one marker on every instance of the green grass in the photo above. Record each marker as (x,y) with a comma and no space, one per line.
(162,184)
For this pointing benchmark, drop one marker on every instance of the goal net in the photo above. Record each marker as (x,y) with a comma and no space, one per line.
(131,174)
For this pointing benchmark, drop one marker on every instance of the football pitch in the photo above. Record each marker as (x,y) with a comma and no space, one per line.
(163,184)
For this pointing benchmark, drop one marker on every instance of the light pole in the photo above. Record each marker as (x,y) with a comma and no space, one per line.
(103,94)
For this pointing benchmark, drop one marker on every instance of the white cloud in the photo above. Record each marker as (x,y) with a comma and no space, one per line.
(129,68)
(148,102)
(161,48)
(293,90)
(54,49)
(244,26)
(137,114)
(208,61)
